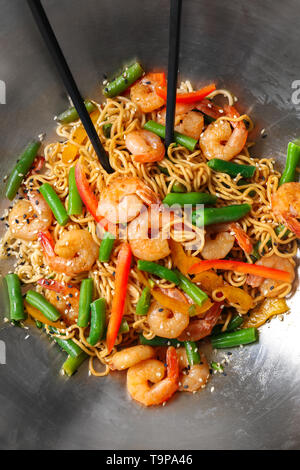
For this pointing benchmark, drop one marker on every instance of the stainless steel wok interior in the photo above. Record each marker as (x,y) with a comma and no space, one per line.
(251,47)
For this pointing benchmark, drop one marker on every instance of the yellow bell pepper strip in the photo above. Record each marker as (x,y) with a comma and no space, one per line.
(239,266)
(263,312)
(70,150)
(37,315)
(208,280)
(236,296)
(180,259)
(242,238)
(177,306)
(118,303)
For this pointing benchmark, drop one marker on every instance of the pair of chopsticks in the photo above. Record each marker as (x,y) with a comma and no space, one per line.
(53,46)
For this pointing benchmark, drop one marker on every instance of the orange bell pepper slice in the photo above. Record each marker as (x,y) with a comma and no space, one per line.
(37,315)
(237,296)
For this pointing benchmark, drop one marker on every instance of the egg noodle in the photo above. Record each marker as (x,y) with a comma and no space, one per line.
(185,167)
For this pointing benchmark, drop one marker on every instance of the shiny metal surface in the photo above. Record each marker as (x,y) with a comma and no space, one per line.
(249,47)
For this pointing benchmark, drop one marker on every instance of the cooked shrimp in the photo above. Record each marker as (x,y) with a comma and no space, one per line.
(266,286)
(194,377)
(145,146)
(217,247)
(28,218)
(152,370)
(210,109)
(286,205)
(164,322)
(219,141)
(130,357)
(123,199)
(75,252)
(67,302)
(187,122)
(145,235)
(143,94)
(202,327)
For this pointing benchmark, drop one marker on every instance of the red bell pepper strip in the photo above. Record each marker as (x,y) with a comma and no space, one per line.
(239,266)
(191,97)
(118,303)
(88,197)
(242,238)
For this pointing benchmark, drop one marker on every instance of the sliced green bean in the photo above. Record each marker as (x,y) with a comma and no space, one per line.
(71,115)
(292,161)
(97,321)
(180,139)
(191,289)
(189,198)
(75,202)
(21,169)
(38,301)
(192,352)
(123,81)
(54,203)
(234,338)
(178,187)
(72,364)
(16,303)
(85,299)
(67,345)
(158,341)
(124,327)
(107,130)
(234,323)
(218,215)
(158,270)
(230,168)
(144,302)
(106,247)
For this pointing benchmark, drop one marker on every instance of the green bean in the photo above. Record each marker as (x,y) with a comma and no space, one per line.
(71,365)
(217,366)
(106,247)
(144,301)
(107,129)
(230,168)
(123,81)
(17,312)
(158,341)
(71,115)
(217,215)
(38,324)
(163,170)
(158,270)
(38,301)
(75,203)
(192,352)
(97,321)
(67,345)
(234,323)
(189,198)
(124,327)
(292,161)
(234,338)
(178,187)
(180,139)
(191,289)
(255,255)
(85,299)
(21,169)
(54,203)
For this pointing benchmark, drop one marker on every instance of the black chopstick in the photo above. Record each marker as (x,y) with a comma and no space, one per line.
(174,35)
(68,80)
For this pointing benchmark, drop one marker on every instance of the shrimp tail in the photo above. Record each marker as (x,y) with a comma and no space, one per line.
(293,224)
(47,243)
